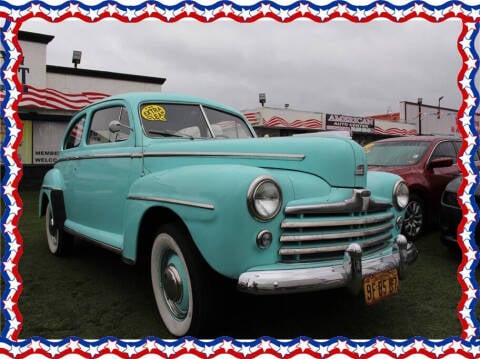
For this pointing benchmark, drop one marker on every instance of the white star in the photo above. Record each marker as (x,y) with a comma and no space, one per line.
(227,345)
(470,101)
(471,293)
(8,151)
(471,178)
(8,304)
(14,323)
(465,43)
(245,14)
(74,8)
(130,14)
(265,9)
(360,14)
(418,9)
(35,8)
(283,350)
(14,246)
(151,8)
(131,350)
(8,266)
(471,332)
(380,8)
(15,350)
(475,350)
(265,345)
(438,14)
(53,350)
(208,14)
(342,345)
(9,228)
(8,189)
(9,35)
(208,350)
(112,9)
(8,74)
(284,14)
(112,345)
(14,284)
(35,345)
(323,14)
(150,345)
(15,14)
(342,9)
(53,14)
(92,14)
(475,13)
(471,217)
(227,9)
(304,345)
(93,351)
(471,63)
(456,345)
(73,345)
(465,83)
(303,8)
(168,350)
(379,345)
(189,345)
(398,14)
(456,9)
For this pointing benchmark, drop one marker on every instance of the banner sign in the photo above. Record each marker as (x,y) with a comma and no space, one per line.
(354,124)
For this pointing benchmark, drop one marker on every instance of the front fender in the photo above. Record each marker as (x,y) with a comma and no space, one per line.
(211,200)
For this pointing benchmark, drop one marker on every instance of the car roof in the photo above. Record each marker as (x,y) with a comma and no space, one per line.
(137,97)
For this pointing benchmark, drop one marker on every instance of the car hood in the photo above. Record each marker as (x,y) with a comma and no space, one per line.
(335,160)
(398,170)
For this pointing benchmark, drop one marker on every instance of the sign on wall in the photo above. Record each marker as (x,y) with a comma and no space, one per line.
(47,141)
(351,123)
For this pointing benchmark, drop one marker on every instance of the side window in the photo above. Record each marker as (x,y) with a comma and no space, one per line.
(445,149)
(99,131)
(75,135)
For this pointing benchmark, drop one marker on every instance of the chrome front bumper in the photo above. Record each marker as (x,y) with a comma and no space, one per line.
(349,274)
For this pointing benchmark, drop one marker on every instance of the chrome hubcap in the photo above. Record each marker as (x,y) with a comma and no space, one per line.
(172,283)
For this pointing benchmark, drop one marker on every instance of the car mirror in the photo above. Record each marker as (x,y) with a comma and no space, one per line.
(115,126)
(440,162)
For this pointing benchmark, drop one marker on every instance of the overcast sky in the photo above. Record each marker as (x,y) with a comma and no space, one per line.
(338,67)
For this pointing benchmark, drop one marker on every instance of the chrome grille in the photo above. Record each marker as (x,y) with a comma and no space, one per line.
(318,235)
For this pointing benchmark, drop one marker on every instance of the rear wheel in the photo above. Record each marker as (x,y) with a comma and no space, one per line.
(59,242)
(414,221)
(179,281)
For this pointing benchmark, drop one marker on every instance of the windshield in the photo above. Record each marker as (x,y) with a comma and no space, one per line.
(188,121)
(398,153)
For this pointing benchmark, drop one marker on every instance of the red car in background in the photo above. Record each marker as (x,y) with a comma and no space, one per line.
(427,164)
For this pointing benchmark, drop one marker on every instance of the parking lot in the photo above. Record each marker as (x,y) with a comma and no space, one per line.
(92,294)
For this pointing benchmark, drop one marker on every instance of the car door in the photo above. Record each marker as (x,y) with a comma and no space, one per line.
(103,175)
(438,177)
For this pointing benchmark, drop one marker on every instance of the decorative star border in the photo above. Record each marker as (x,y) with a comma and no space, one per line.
(13,16)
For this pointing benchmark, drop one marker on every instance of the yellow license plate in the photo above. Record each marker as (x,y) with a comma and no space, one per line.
(379,286)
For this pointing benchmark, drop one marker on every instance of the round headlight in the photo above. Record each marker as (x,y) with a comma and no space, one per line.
(400,195)
(264,198)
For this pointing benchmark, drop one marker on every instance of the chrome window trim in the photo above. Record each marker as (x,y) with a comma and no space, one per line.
(173,201)
(104,155)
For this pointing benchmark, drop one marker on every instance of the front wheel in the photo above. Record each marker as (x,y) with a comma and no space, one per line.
(178,280)
(59,242)
(414,221)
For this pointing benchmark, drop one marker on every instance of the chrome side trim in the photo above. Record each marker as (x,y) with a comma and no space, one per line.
(173,201)
(93,240)
(288,156)
(360,201)
(51,188)
(337,235)
(106,155)
(335,223)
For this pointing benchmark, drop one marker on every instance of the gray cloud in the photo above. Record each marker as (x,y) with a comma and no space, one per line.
(337,67)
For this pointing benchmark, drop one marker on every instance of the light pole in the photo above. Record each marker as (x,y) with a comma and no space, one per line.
(439,100)
(419,101)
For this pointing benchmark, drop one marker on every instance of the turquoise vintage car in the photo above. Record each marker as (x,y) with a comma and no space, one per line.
(185,182)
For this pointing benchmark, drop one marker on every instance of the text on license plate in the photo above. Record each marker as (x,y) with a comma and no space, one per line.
(379,286)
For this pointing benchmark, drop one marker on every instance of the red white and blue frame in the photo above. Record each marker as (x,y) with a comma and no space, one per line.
(467,345)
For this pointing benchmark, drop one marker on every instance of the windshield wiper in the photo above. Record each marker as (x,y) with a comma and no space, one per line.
(167,133)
